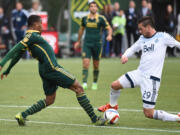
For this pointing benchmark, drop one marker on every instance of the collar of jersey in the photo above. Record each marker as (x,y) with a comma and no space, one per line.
(96,17)
(31,31)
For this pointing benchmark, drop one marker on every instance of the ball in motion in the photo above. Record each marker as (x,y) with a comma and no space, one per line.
(111,115)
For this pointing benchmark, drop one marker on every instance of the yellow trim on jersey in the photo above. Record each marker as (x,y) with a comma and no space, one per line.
(23,44)
(91,25)
(96,17)
(31,31)
(64,72)
(100,55)
(46,55)
(107,23)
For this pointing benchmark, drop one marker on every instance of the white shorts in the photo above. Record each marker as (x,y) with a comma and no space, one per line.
(149,86)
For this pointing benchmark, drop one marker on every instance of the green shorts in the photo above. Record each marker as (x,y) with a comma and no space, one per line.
(92,49)
(58,77)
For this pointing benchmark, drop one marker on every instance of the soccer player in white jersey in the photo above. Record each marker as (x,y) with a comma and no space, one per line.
(147,76)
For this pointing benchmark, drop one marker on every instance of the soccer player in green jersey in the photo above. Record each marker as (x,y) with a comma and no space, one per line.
(51,73)
(92,47)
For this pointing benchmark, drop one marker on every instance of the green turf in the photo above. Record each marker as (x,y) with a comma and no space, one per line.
(23,87)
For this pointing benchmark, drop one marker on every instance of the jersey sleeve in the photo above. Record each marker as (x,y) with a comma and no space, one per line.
(136,47)
(27,40)
(17,49)
(170,41)
(105,22)
(83,22)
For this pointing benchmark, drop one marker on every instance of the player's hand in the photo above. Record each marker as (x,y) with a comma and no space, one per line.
(124,59)
(5,73)
(109,38)
(77,45)
(2,76)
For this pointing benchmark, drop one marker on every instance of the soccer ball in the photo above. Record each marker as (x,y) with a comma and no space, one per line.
(111,115)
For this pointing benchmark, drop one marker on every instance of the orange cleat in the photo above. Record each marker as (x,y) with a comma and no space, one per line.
(103,108)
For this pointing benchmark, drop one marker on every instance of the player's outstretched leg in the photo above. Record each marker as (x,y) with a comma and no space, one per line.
(41,104)
(161,115)
(114,95)
(21,117)
(85,104)
(164,116)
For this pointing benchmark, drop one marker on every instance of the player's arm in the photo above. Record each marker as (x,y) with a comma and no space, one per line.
(80,33)
(108,28)
(130,51)
(13,54)
(14,60)
(170,41)
(109,36)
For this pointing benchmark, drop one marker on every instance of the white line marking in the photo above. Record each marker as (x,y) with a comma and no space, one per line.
(93,126)
(74,108)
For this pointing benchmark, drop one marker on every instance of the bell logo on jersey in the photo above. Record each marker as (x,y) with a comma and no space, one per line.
(148,48)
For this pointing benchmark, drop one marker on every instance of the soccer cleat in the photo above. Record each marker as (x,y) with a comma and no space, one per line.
(94,86)
(20,119)
(84,85)
(101,121)
(103,108)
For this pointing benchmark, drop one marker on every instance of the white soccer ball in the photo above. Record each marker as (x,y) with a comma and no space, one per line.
(111,115)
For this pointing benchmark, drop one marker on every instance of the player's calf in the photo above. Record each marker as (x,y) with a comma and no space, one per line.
(50,99)
(165,116)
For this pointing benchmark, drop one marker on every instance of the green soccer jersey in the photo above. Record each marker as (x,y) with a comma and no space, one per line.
(39,48)
(94,27)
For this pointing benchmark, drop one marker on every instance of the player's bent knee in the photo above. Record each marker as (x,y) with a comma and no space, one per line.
(116,85)
(49,101)
(148,114)
(77,88)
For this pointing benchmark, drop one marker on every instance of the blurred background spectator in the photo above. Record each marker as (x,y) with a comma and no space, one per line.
(116,9)
(170,26)
(170,21)
(144,10)
(19,18)
(118,25)
(19,21)
(36,7)
(5,35)
(107,12)
(131,24)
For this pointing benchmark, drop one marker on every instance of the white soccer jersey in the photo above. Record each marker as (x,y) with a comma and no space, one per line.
(153,52)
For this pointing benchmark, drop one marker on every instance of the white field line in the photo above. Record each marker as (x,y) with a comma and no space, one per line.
(93,126)
(73,108)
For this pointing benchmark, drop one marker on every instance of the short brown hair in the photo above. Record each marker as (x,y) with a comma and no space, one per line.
(93,2)
(147,20)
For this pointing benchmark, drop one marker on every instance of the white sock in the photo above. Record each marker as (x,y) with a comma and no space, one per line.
(164,116)
(114,95)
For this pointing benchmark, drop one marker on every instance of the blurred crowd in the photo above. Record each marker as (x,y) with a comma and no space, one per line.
(12,29)
(124,25)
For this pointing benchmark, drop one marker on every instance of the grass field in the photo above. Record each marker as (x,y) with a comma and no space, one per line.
(23,87)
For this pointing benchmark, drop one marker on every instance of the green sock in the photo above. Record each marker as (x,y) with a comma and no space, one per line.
(85,75)
(85,104)
(34,108)
(95,75)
